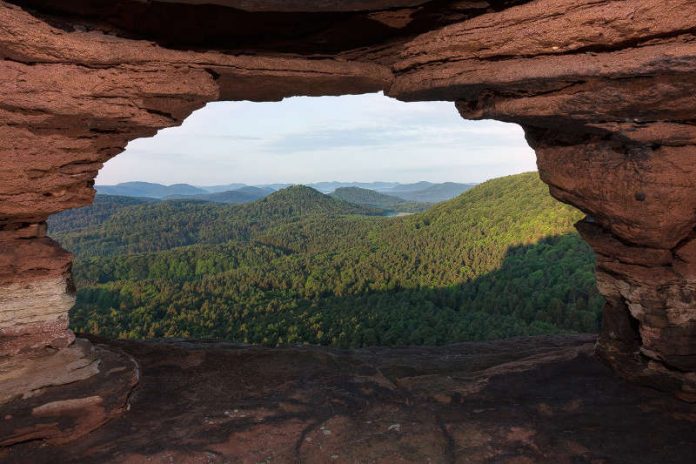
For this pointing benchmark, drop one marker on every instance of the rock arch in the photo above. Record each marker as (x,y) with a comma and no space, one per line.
(605,90)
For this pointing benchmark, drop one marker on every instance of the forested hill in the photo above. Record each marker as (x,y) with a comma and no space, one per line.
(433,193)
(500,260)
(103,207)
(365,197)
(139,227)
(239,196)
(148,189)
(299,200)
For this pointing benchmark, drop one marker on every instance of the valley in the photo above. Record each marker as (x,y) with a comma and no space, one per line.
(298,266)
(420,192)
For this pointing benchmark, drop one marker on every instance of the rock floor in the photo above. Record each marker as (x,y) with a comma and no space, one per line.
(519,401)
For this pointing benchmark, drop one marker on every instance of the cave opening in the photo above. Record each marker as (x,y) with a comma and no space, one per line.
(604,92)
(347,221)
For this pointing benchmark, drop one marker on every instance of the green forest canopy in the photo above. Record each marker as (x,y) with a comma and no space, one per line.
(366,197)
(500,260)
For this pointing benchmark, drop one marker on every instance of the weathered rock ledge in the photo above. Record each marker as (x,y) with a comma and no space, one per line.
(604,89)
(57,396)
(526,400)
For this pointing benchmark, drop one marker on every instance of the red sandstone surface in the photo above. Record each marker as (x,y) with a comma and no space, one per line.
(605,90)
(529,400)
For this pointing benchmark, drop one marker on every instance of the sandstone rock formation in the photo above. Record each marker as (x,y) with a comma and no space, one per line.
(64,394)
(520,401)
(605,90)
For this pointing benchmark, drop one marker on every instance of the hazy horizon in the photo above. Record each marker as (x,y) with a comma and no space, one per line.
(305,140)
(262,184)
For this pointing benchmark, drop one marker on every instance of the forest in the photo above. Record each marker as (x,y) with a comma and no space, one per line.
(389,203)
(299,266)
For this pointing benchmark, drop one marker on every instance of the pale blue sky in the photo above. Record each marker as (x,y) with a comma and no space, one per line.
(302,140)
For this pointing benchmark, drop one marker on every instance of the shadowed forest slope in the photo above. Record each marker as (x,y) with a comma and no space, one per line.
(366,197)
(500,260)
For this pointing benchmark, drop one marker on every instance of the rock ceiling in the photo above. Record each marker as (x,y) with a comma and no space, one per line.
(605,90)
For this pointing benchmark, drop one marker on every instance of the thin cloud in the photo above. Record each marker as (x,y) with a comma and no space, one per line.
(364,137)
(396,136)
(332,139)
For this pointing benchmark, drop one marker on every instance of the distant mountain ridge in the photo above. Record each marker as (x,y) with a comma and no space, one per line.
(224,188)
(300,200)
(329,187)
(299,266)
(191,221)
(149,190)
(424,192)
(366,197)
(417,186)
(433,193)
(242,195)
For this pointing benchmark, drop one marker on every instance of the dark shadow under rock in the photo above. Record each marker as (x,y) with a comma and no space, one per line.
(526,400)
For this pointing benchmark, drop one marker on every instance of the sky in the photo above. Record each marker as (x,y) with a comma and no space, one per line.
(361,138)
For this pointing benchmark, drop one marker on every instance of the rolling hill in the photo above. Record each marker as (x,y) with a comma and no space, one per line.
(414,187)
(103,207)
(427,192)
(500,260)
(223,188)
(328,187)
(432,193)
(148,189)
(142,227)
(371,198)
(242,195)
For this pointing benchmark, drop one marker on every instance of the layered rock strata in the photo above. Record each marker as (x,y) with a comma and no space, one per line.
(605,90)
(35,290)
(529,400)
(59,396)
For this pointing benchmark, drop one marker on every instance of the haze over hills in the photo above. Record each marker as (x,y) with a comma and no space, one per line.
(328,187)
(416,186)
(433,193)
(365,197)
(424,192)
(148,189)
(500,260)
(244,194)
(224,188)
(166,224)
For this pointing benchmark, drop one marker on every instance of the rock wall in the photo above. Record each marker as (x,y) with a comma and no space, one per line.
(606,93)
(605,90)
